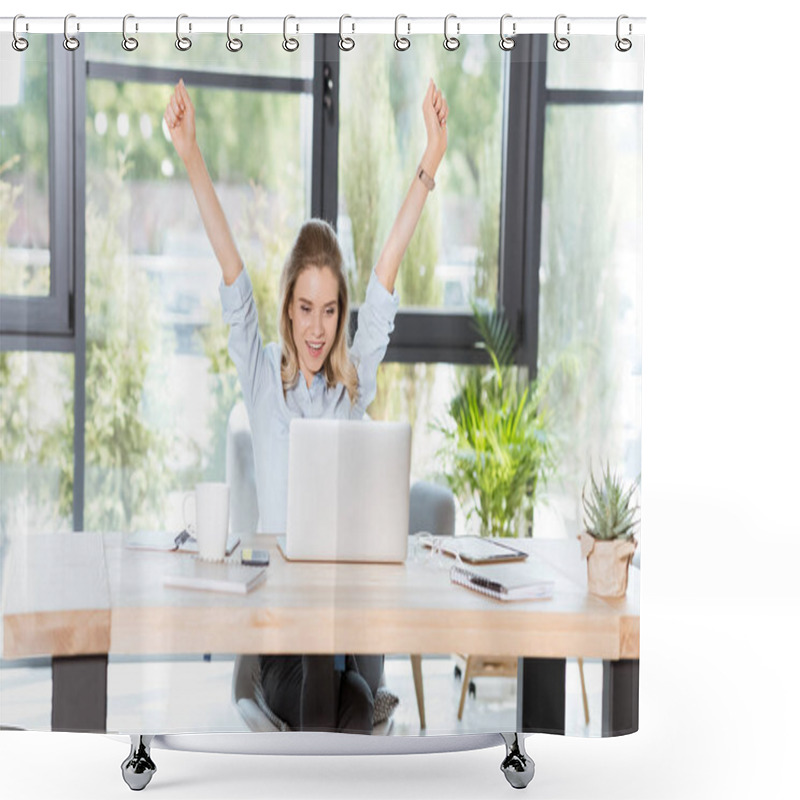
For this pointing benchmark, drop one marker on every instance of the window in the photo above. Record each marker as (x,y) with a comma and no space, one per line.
(592,62)
(36,279)
(159,382)
(452,258)
(25,176)
(36,398)
(141,361)
(590,265)
(35,254)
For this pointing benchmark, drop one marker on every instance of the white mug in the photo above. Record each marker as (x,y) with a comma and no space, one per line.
(212,502)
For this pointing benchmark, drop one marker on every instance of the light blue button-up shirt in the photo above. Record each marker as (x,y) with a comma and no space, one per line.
(270,411)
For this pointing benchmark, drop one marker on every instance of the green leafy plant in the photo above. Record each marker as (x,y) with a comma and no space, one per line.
(127,470)
(610,514)
(498,447)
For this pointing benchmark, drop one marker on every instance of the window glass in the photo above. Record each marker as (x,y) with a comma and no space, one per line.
(24,170)
(590,291)
(452,258)
(159,382)
(36,445)
(260,54)
(592,62)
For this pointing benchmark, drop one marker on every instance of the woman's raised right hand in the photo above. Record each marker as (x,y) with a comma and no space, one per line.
(179,116)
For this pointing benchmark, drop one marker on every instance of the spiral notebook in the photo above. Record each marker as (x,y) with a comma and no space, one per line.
(503,581)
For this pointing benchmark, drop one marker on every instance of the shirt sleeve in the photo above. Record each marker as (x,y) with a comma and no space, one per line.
(244,342)
(375,325)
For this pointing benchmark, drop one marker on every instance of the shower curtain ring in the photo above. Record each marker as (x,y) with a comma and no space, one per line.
(346,43)
(70,42)
(507,42)
(290,44)
(451,42)
(561,43)
(18,42)
(233,44)
(401,42)
(623,45)
(129,43)
(183,43)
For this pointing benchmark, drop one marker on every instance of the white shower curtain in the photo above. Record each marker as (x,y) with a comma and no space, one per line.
(514,356)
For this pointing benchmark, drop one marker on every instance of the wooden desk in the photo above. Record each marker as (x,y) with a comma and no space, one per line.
(79,597)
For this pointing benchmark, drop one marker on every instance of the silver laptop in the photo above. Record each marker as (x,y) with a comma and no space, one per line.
(348,491)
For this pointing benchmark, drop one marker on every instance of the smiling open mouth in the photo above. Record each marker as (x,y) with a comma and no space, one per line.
(315,349)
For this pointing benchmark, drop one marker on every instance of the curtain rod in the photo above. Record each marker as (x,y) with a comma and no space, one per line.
(349,25)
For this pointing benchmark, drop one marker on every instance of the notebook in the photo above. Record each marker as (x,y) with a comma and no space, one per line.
(504,581)
(348,491)
(214,576)
(165,541)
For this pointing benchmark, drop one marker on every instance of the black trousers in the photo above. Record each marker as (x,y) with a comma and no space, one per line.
(309,694)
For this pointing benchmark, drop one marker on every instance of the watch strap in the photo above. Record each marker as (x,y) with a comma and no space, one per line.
(429,183)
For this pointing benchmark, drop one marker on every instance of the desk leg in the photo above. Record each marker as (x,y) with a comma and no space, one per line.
(541,690)
(416,669)
(620,697)
(79,693)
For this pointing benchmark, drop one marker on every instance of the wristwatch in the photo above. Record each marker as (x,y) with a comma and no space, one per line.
(430,183)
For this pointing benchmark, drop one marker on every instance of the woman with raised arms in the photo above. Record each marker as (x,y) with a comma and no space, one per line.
(311,372)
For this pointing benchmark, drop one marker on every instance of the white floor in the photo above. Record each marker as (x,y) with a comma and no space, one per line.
(194,696)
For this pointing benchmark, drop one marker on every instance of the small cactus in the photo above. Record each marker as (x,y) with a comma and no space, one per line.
(609,513)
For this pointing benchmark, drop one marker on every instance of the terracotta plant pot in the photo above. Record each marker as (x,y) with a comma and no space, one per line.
(607,564)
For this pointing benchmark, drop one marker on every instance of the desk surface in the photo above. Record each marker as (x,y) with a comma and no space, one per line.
(72,594)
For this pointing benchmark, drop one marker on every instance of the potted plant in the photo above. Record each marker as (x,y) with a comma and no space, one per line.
(608,542)
(498,436)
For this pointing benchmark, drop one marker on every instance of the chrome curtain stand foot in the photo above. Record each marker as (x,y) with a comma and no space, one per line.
(517,766)
(138,768)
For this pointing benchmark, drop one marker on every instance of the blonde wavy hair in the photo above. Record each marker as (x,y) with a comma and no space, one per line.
(317,246)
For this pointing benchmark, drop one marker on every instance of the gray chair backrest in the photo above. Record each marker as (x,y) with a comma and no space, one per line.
(432,509)
(240,473)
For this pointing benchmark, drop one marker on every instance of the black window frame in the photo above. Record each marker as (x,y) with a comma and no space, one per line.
(46,323)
